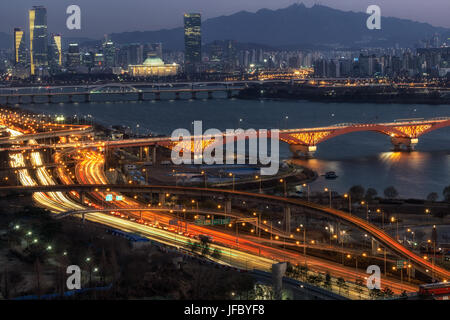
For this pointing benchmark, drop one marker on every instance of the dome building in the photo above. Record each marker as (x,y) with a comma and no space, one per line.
(153,66)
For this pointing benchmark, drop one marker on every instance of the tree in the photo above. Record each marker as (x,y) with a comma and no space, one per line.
(371,193)
(204,245)
(340,283)
(193,246)
(390,192)
(375,293)
(357,193)
(388,292)
(216,254)
(446,193)
(327,282)
(433,197)
(359,287)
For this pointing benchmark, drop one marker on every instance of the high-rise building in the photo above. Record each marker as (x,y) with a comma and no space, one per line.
(109,53)
(38,39)
(20,53)
(55,53)
(73,57)
(192,41)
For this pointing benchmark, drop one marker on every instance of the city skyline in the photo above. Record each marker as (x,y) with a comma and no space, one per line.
(147,19)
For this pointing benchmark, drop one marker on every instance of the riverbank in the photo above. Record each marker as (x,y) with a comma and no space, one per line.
(351,94)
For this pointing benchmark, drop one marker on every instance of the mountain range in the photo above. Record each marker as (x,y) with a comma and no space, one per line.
(296,26)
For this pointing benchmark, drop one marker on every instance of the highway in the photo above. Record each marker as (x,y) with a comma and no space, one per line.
(243,250)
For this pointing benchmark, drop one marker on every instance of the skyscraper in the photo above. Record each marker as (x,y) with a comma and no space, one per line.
(109,52)
(192,41)
(55,53)
(20,54)
(38,39)
(73,57)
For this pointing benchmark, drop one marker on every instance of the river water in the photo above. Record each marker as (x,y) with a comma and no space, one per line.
(359,158)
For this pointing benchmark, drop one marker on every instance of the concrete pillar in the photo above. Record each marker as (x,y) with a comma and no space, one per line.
(70,98)
(32,99)
(408,143)
(87,97)
(82,197)
(300,150)
(141,96)
(228,206)
(194,95)
(157,96)
(229,94)
(210,95)
(287,218)
(154,155)
(162,198)
(49,99)
(278,271)
(177,95)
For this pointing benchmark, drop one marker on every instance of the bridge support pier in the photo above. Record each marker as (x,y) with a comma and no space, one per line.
(287,218)
(49,99)
(82,197)
(228,206)
(300,150)
(154,155)
(408,143)
(162,198)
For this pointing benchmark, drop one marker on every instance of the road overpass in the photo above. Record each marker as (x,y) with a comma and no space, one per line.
(361,224)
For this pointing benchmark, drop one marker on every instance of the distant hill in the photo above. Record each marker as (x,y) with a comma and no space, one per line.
(293,27)
(296,26)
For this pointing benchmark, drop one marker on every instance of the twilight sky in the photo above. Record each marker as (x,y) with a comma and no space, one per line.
(105,16)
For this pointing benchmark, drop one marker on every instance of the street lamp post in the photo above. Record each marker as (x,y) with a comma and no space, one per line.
(349,196)
(306,186)
(260,183)
(367,209)
(382,217)
(232,175)
(329,194)
(284,184)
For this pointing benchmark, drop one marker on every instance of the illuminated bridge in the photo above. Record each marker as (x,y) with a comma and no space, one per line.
(287,203)
(303,141)
(116,92)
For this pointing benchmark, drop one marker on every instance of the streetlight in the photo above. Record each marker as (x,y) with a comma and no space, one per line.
(306,186)
(283,181)
(347,195)
(367,209)
(329,193)
(382,216)
(232,175)
(392,221)
(204,176)
(260,183)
